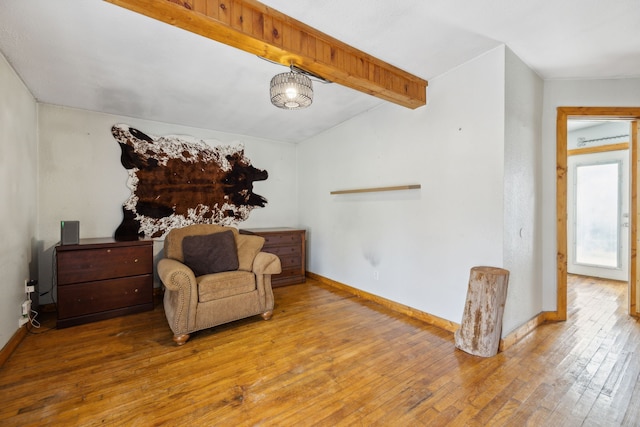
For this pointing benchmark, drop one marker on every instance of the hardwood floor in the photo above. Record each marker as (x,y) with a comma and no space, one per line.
(328,358)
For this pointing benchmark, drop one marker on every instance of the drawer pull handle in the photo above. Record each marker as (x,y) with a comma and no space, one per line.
(108,251)
(136,291)
(135,260)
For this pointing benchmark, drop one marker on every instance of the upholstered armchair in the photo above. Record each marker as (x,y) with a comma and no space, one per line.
(214,275)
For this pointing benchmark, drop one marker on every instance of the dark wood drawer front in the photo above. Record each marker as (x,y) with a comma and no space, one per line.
(288,272)
(283,251)
(287,277)
(92,297)
(103,263)
(289,245)
(100,278)
(290,262)
(281,239)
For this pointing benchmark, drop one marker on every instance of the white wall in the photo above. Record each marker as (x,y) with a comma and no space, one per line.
(564,93)
(18,179)
(522,189)
(422,242)
(81,177)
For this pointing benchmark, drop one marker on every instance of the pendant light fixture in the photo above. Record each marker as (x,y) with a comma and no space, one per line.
(291,91)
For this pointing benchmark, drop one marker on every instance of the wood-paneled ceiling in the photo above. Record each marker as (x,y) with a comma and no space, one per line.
(97,56)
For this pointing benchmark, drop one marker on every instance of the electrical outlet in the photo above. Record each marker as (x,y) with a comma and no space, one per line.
(29,286)
(376,275)
(23,321)
(26,307)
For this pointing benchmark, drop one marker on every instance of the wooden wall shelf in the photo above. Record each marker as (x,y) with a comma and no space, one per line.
(375,189)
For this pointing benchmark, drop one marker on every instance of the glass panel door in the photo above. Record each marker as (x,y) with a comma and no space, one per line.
(598,215)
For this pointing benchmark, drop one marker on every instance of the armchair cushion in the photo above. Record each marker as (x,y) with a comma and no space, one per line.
(210,253)
(227,284)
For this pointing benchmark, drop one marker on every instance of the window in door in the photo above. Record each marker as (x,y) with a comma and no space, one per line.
(598,217)
(597,213)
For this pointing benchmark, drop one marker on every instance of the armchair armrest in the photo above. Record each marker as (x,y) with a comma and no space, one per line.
(175,275)
(266,263)
(181,295)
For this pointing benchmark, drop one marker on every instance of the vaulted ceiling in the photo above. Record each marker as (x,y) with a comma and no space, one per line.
(97,56)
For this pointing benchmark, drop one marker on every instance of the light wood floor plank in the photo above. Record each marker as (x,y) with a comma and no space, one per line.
(328,358)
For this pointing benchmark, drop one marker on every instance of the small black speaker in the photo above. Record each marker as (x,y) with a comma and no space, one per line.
(69,232)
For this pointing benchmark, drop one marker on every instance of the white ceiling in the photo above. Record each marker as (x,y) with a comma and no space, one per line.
(94,55)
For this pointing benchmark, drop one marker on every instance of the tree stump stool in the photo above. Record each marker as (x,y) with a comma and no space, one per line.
(481,327)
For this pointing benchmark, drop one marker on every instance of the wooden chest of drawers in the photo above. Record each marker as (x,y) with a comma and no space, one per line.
(102,278)
(289,245)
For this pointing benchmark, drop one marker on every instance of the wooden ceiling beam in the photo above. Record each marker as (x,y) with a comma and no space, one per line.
(260,30)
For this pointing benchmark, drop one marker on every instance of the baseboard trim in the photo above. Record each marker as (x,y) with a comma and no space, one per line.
(510,340)
(12,344)
(519,333)
(397,307)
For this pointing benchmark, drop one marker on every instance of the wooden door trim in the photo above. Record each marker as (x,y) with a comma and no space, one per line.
(605,113)
(633,273)
(598,149)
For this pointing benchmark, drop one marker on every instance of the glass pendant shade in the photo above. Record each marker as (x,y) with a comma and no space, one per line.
(291,91)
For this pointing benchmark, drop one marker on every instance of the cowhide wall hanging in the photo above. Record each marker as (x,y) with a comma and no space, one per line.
(176,181)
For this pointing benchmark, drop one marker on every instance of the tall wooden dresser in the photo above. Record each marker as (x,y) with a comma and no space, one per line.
(102,278)
(289,244)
